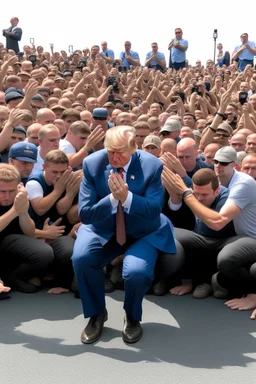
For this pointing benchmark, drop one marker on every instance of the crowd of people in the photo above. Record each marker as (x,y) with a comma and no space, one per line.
(116,175)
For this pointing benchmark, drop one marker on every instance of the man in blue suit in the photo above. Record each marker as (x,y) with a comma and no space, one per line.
(136,193)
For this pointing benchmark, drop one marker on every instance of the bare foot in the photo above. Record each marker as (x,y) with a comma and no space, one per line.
(243,304)
(57,291)
(3,288)
(253,315)
(181,289)
(35,281)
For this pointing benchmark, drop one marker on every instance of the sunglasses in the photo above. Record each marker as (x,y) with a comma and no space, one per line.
(221,135)
(224,164)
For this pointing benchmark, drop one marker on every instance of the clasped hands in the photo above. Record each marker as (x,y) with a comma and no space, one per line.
(117,187)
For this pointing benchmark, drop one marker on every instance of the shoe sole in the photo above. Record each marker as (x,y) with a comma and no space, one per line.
(94,340)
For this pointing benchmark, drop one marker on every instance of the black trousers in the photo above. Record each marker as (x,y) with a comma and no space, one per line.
(25,257)
(168,265)
(235,259)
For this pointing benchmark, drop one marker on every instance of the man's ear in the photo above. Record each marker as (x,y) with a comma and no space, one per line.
(217,191)
(10,161)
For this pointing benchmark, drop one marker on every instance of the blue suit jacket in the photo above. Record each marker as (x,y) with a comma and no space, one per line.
(144,219)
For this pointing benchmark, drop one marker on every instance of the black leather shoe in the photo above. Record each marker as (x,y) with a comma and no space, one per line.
(109,286)
(93,330)
(132,331)
(23,286)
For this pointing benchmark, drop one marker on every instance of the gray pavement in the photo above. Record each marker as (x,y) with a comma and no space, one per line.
(185,341)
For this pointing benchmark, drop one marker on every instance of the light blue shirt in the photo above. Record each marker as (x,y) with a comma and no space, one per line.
(246,54)
(159,55)
(125,62)
(177,55)
(108,53)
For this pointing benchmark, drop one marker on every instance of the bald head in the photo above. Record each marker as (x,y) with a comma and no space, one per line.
(124,118)
(45,116)
(238,142)
(168,145)
(187,153)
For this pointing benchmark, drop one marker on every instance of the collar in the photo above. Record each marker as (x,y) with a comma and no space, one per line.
(125,168)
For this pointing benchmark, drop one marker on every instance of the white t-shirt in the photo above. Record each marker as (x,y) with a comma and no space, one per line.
(39,163)
(242,193)
(34,189)
(67,147)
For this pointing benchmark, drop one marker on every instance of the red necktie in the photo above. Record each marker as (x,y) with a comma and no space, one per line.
(120,223)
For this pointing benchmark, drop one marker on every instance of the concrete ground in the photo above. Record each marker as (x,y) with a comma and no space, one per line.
(185,341)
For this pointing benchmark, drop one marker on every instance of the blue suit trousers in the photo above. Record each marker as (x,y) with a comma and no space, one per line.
(89,258)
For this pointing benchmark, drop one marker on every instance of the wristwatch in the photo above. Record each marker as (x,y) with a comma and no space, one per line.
(219,114)
(186,193)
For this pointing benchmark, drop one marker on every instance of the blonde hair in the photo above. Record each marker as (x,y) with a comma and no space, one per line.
(56,156)
(121,138)
(46,129)
(9,173)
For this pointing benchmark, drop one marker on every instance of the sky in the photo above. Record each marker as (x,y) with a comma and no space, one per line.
(87,23)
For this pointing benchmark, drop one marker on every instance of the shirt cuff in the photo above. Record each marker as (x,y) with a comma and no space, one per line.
(128,202)
(114,203)
(174,207)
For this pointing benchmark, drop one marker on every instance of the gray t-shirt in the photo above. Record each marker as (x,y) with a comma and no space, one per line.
(242,193)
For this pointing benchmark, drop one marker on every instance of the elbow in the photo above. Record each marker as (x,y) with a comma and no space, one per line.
(40,211)
(216,226)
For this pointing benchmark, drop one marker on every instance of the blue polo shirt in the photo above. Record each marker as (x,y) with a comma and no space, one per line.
(125,62)
(153,62)
(216,206)
(108,53)
(177,55)
(246,54)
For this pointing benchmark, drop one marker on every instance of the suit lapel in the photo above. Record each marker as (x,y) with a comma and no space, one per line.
(134,173)
(107,173)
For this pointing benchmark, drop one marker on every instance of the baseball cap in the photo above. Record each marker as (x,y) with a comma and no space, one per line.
(152,140)
(100,113)
(23,152)
(19,128)
(67,73)
(57,106)
(12,96)
(225,127)
(38,97)
(171,126)
(13,89)
(197,133)
(109,104)
(226,155)
(24,74)
(240,156)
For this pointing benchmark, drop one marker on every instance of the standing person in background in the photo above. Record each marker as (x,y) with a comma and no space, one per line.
(177,48)
(155,59)
(129,57)
(13,35)
(245,52)
(106,53)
